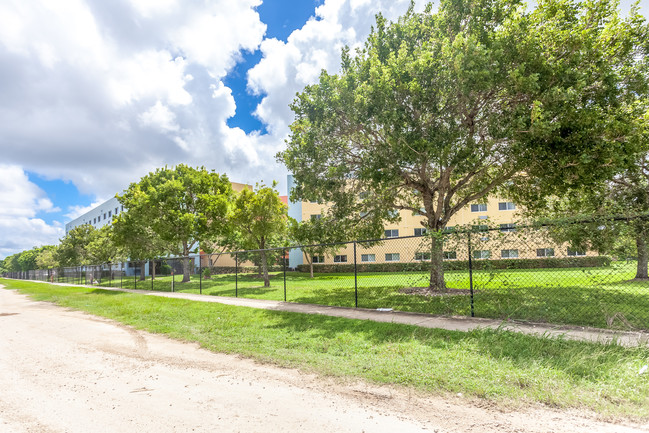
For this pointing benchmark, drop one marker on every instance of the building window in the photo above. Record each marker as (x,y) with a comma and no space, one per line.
(449,229)
(368,257)
(392,257)
(479,207)
(109,214)
(317,259)
(450,255)
(340,259)
(545,252)
(483,217)
(122,208)
(506,205)
(115,211)
(363,195)
(316,217)
(482,228)
(104,216)
(394,233)
(481,254)
(575,253)
(509,254)
(94,220)
(422,256)
(420,232)
(510,227)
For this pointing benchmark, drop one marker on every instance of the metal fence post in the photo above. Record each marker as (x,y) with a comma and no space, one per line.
(284,260)
(471,275)
(135,277)
(200,273)
(236,275)
(355,279)
(152,263)
(173,279)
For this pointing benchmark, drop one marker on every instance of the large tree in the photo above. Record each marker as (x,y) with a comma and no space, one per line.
(259,220)
(442,108)
(319,234)
(73,249)
(183,206)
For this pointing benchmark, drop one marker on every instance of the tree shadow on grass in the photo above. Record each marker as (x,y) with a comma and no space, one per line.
(508,346)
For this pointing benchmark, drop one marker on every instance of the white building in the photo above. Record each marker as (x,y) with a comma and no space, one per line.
(97,217)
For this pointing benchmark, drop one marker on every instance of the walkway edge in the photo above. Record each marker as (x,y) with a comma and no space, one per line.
(455,323)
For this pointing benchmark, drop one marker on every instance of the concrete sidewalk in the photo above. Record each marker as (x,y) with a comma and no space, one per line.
(456,323)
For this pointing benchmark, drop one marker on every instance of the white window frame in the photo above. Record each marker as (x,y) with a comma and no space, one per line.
(339,258)
(506,254)
(391,233)
(545,252)
(390,257)
(366,258)
(479,207)
(506,205)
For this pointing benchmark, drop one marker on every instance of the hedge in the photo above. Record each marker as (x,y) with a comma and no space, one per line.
(463,265)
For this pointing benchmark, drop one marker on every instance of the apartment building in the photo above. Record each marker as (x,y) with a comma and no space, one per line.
(496,213)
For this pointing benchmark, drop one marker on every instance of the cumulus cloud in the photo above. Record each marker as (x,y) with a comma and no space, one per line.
(20,202)
(100,93)
(286,67)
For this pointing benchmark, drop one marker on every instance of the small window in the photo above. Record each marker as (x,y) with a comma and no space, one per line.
(115,211)
(510,227)
(394,233)
(506,205)
(340,259)
(450,255)
(422,256)
(109,212)
(480,207)
(368,257)
(483,217)
(576,253)
(363,195)
(481,228)
(392,257)
(545,252)
(509,254)
(317,259)
(122,208)
(104,216)
(94,220)
(420,231)
(393,213)
(481,254)
(316,217)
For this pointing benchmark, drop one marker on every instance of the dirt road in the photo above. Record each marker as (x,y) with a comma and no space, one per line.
(65,371)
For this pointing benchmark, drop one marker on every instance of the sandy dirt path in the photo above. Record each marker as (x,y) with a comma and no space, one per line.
(66,371)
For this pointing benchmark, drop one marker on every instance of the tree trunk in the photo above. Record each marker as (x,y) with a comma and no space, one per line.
(142,268)
(436,263)
(643,256)
(264,268)
(186,278)
(310,262)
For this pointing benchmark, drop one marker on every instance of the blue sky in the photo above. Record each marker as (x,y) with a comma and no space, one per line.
(94,94)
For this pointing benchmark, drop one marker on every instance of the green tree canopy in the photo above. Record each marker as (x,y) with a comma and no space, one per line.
(183,206)
(259,219)
(442,108)
(72,250)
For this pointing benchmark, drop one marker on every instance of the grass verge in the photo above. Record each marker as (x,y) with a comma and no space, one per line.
(499,366)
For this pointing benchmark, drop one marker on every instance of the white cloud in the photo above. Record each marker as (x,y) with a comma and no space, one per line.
(160,118)
(286,68)
(20,202)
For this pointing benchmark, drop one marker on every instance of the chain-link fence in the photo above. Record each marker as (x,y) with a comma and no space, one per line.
(502,272)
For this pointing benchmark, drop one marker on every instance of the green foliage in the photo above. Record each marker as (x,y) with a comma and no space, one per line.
(180,207)
(442,108)
(322,231)
(46,258)
(73,249)
(102,248)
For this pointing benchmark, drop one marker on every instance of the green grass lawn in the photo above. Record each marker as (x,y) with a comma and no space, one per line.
(499,366)
(599,297)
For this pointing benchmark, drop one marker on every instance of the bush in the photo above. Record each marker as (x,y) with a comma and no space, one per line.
(463,265)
